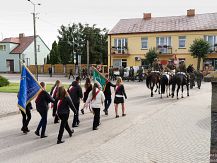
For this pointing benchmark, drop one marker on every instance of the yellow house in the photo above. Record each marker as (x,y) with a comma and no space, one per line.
(130,39)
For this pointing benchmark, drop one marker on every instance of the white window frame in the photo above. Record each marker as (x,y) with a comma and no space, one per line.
(166,41)
(214,40)
(144,41)
(123,44)
(4,48)
(182,38)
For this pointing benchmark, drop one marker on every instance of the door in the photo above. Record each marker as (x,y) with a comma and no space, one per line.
(10,65)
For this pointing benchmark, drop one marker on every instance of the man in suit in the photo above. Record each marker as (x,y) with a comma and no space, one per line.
(76,94)
(42,102)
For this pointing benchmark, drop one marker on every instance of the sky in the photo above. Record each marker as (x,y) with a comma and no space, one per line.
(15,15)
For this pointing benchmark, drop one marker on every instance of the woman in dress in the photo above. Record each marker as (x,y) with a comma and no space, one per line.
(119,96)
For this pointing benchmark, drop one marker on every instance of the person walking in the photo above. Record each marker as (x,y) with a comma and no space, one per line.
(71,74)
(119,97)
(76,94)
(96,99)
(88,88)
(53,93)
(26,118)
(108,94)
(63,112)
(42,101)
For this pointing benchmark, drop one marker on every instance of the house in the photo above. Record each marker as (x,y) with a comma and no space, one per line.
(14,49)
(131,39)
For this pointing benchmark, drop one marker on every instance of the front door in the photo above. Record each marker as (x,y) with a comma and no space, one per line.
(10,65)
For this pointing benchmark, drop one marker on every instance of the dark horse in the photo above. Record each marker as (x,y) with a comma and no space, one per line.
(180,80)
(165,82)
(153,79)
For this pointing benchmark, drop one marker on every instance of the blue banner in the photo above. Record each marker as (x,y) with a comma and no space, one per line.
(29,88)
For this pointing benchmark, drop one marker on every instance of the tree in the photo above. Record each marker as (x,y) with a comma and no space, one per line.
(73,42)
(199,49)
(151,55)
(54,54)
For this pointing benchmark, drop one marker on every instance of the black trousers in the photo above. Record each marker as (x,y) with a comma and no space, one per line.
(96,118)
(43,123)
(76,116)
(26,119)
(108,101)
(64,124)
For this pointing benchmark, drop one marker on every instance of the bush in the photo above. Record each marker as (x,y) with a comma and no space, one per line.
(3,81)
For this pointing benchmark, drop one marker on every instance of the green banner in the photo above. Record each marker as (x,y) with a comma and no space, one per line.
(99,78)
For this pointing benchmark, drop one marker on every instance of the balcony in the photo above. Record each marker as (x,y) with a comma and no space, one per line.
(119,51)
(164,49)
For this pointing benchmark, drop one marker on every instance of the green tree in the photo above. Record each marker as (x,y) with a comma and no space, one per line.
(151,55)
(54,54)
(199,49)
(48,59)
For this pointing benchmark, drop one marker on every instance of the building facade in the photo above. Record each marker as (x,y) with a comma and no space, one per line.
(14,49)
(131,39)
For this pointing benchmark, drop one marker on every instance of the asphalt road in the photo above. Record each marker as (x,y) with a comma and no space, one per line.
(154,130)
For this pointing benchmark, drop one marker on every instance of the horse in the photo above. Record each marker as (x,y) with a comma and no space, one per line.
(153,79)
(180,79)
(165,82)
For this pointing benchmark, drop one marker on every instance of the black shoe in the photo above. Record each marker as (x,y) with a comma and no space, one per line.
(123,115)
(43,136)
(56,121)
(104,110)
(74,126)
(95,128)
(70,134)
(60,141)
(82,111)
(106,113)
(25,132)
(117,116)
(37,133)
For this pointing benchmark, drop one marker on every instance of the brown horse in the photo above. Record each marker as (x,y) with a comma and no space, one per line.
(153,79)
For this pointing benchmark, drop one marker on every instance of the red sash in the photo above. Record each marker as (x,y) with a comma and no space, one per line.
(59,103)
(71,89)
(94,97)
(118,87)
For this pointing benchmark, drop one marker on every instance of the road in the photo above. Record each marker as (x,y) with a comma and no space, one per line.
(154,130)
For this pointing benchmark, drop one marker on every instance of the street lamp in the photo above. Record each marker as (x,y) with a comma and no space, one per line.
(34,24)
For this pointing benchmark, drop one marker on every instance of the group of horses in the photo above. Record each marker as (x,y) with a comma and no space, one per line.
(164,81)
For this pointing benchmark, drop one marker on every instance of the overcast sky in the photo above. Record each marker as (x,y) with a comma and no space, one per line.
(15,15)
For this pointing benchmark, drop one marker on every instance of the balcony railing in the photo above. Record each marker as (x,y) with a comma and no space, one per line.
(164,49)
(119,50)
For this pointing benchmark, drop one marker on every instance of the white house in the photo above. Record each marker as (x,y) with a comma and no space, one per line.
(14,49)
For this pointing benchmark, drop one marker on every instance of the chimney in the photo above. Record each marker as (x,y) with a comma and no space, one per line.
(146,16)
(191,12)
(21,35)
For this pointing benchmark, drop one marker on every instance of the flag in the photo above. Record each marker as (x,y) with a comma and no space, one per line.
(99,78)
(29,88)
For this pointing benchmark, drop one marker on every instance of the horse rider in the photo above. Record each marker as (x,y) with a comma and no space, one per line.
(156,66)
(182,69)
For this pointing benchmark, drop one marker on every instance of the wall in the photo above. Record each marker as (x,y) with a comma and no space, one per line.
(134,46)
(4,55)
(44,51)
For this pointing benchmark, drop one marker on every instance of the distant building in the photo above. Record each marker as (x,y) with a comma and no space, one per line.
(14,49)
(130,39)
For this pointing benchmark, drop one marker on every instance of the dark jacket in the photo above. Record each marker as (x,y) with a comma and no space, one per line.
(86,93)
(42,101)
(64,104)
(107,91)
(75,92)
(120,91)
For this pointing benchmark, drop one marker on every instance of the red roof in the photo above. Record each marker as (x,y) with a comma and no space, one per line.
(199,22)
(23,42)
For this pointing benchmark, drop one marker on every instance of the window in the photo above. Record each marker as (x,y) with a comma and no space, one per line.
(163,44)
(212,41)
(2,47)
(120,45)
(38,48)
(182,41)
(144,42)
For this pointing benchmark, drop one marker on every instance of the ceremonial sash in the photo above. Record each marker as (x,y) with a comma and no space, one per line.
(94,97)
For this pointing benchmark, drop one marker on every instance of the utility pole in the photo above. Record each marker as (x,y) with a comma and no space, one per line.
(35,49)
(88,54)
